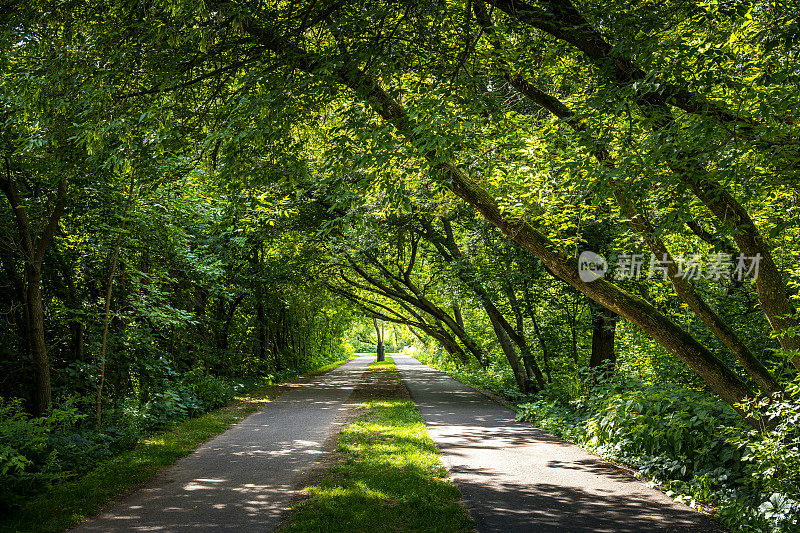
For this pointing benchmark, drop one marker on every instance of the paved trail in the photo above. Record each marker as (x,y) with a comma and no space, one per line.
(513,477)
(244,478)
(517,478)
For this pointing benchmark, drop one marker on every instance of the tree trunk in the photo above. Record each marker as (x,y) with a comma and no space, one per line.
(276,348)
(33,251)
(542,344)
(604,324)
(70,298)
(379,333)
(517,367)
(226,326)
(42,395)
(573,329)
(77,331)
(531,366)
(447,342)
(457,315)
(261,325)
(772,295)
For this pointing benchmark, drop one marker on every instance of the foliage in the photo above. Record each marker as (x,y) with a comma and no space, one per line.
(29,462)
(269,177)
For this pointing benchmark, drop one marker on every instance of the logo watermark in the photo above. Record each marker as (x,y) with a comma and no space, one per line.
(591,266)
(719,266)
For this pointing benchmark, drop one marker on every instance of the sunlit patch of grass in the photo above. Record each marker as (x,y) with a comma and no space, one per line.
(388,364)
(389,478)
(69,503)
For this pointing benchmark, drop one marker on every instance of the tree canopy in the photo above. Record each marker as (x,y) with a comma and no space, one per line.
(228,187)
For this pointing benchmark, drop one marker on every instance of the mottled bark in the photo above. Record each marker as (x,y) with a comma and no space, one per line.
(770,285)
(42,394)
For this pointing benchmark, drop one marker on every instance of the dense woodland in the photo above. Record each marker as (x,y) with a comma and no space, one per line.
(201,196)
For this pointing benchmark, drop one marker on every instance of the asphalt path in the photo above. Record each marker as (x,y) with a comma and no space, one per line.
(515,477)
(244,478)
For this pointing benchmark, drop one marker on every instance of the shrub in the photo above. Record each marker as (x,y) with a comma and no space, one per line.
(771,457)
(666,431)
(210,391)
(28,460)
(175,404)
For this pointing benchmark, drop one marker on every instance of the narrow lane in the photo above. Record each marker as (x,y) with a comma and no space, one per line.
(244,478)
(515,477)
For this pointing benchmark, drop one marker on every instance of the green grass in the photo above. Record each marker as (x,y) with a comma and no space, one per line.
(388,364)
(69,503)
(328,367)
(389,478)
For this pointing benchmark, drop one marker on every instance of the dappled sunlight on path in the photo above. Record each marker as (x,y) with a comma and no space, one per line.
(243,479)
(515,477)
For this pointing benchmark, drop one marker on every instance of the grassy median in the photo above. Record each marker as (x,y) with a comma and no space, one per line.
(387,475)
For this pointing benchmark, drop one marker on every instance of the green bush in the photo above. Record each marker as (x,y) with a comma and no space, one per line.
(771,457)
(175,404)
(210,391)
(28,460)
(664,430)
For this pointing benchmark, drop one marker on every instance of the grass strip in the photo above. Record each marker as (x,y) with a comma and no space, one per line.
(388,476)
(69,503)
